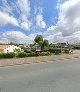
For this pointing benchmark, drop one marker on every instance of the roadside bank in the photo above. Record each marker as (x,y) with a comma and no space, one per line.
(40,59)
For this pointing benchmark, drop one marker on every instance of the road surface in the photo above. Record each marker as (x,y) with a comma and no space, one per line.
(58,76)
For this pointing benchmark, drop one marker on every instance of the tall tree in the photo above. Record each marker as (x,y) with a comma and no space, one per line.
(39,39)
(45,44)
(42,43)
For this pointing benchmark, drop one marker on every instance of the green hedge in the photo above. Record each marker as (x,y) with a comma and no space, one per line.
(21,54)
(45,53)
(55,50)
(32,54)
(40,53)
(26,51)
(76,47)
(7,55)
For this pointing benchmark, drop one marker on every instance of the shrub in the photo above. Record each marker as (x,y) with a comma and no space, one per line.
(55,50)
(28,55)
(45,53)
(34,53)
(26,51)
(7,55)
(21,54)
(76,47)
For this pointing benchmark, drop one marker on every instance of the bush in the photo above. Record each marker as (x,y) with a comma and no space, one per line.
(76,47)
(40,53)
(55,50)
(45,53)
(21,54)
(7,55)
(34,53)
(26,51)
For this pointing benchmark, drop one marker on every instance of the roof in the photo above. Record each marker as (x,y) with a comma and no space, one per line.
(2,47)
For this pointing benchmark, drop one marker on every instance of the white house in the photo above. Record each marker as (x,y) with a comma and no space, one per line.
(9,48)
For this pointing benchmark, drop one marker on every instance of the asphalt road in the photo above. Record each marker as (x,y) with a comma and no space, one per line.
(60,76)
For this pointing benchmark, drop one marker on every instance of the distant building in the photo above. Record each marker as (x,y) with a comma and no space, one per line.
(9,48)
(61,45)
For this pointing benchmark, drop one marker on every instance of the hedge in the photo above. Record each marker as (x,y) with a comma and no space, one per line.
(32,54)
(76,47)
(35,54)
(7,55)
(45,53)
(23,54)
(55,50)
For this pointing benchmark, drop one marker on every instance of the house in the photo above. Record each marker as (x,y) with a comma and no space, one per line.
(9,48)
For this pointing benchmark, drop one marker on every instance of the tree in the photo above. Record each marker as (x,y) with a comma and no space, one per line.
(42,43)
(45,44)
(38,38)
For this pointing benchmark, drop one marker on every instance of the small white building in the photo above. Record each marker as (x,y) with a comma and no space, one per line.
(9,48)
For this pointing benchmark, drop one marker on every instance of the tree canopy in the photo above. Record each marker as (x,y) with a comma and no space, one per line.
(38,38)
(41,42)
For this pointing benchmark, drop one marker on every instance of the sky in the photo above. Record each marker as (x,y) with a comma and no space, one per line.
(56,20)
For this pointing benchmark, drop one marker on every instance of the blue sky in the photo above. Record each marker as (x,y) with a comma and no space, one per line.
(22,20)
(46,8)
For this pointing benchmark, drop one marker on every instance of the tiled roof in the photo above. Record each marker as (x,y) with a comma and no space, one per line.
(2,47)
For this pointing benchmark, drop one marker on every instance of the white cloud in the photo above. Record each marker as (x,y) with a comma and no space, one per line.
(25,24)
(74,38)
(57,38)
(7,19)
(24,8)
(10,9)
(19,12)
(51,30)
(40,21)
(6,7)
(16,37)
(54,38)
(66,29)
(7,15)
(4,40)
(68,21)
(69,17)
